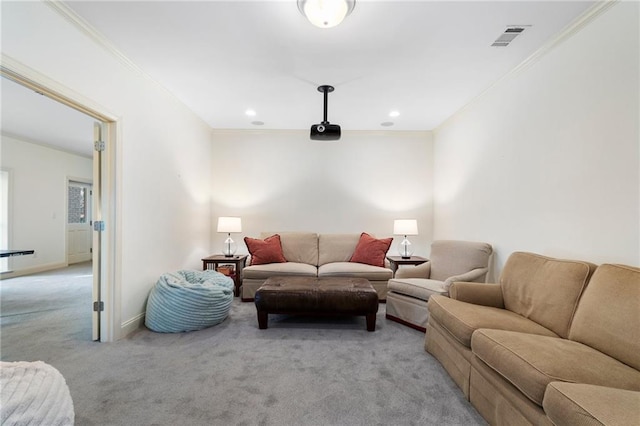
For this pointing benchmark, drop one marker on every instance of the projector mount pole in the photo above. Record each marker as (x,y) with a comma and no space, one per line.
(326,90)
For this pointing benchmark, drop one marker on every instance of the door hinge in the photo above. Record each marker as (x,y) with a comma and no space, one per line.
(98,306)
(99,146)
(98,225)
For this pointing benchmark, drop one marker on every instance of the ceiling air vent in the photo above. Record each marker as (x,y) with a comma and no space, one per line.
(507,36)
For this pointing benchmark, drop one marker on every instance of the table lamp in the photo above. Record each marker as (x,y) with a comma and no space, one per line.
(229,225)
(405,227)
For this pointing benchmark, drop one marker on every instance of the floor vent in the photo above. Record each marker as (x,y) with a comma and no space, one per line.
(508,35)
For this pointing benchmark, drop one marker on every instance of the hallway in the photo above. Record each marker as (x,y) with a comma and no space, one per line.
(45,310)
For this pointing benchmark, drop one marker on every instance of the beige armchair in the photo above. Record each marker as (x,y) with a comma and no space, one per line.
(450,261)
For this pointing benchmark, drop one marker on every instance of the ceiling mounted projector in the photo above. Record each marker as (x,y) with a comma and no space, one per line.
(325,131)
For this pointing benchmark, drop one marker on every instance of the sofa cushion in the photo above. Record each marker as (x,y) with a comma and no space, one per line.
(420,288)
(264,251)
(589,405)
(450,258)
(301,247)
(530,362)
(462,319)
(336,247)
(355,270)
(608,315)
(273,269)
(370,250)
(543,289)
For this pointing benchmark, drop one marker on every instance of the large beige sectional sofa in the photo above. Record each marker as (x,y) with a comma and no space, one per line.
(552,343)
(315,255)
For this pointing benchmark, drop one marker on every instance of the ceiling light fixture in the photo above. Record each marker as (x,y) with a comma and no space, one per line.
(394,114)
(250,113)
(326,13)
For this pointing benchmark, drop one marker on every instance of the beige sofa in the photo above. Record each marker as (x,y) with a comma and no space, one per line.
(549,344)
(315,255)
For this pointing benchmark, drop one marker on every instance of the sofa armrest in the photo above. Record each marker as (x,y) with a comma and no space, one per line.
(577,403)
(470,276)
(478,294)
(420,271)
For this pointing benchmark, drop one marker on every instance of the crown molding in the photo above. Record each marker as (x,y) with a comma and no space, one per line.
(87,29)
(572,28)
(305,132)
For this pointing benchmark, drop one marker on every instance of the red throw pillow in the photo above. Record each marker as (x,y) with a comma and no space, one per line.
(264,251)
(370,250)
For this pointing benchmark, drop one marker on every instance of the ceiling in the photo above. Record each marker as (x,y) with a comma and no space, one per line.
(35,118)
(423,59)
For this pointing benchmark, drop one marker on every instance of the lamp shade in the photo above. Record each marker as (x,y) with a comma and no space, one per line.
(405,227)
(326,13)
(229,224)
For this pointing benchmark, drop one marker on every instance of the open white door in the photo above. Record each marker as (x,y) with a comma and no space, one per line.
(98,227)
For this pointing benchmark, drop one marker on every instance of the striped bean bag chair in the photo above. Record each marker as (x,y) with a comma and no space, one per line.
(34,393)
(188,300)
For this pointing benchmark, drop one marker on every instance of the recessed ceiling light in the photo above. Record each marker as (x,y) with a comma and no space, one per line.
(386,123)
(394,113)
(258,123)
(250,112)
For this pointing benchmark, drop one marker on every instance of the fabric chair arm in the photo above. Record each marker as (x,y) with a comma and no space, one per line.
(420,271)
(470,276)
(478,294)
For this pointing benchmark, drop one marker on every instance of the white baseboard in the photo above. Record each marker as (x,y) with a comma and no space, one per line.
(33,270)
(131,325)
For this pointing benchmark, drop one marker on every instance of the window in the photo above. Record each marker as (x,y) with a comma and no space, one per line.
(77,204)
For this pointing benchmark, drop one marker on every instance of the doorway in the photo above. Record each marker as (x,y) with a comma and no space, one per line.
(99,203)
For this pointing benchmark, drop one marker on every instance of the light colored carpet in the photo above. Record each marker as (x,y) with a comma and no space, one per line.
(300,371)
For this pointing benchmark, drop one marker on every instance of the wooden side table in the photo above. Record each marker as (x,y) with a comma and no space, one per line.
(396,261)
(239,261)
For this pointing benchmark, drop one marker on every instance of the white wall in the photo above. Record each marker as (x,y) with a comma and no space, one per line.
(163,152)
(38,195)
(548,160)
(282,181)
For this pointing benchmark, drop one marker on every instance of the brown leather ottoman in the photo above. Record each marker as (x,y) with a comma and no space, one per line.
(317,296)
